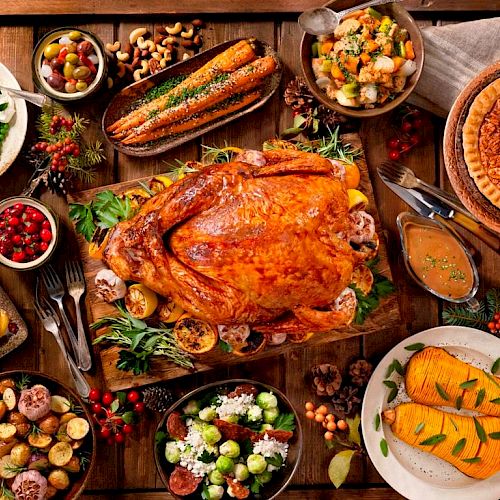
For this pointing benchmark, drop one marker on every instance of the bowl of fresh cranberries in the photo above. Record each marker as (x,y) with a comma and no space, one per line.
(28,233)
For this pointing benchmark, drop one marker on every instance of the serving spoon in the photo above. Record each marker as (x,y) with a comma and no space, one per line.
(323,21)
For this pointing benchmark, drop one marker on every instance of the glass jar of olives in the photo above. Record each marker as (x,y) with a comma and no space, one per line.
(69,64)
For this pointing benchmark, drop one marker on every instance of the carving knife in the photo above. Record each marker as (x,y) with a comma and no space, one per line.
(424,203)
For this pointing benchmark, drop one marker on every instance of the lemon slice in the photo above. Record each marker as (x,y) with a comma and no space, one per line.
(4,322)
(352,175)
(357,200)
(137,196)
(234,149)
(168,311)
(140,301)
(99,242)
(158,183)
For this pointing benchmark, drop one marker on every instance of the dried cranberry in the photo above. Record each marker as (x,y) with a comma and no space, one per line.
(13,328)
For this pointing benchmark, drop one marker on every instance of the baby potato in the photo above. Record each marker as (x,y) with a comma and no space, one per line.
(5,384)
(7,468)
(6,447)
(77,428)
(73,465)
(62,434)
(48,424)
(59,404)
(3,409)
(23,425)
(51,492)
(59,479)
(10,398)
(7,432)
(20,454)
(39,439)
(76,444)
(60,454)
(67,417)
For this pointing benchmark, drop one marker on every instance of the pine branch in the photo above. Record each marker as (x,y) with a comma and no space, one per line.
(493,300)
(461,316)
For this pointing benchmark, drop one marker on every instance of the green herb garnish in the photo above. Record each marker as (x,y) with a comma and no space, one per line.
(480,397)
(459,446)
(418,346)
(468,384)
(442,393)
(285,422)
(419,427)
(384,448)
(481,434)
(437,438)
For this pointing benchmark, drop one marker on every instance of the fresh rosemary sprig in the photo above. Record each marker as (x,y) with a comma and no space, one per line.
(214,154)
(178,169)
(140,341)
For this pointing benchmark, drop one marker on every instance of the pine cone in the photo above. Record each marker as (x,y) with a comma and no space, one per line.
(360,372)
(56,182)
(331,119)
(346,402)
(298,96)
(326,379)
(157,397)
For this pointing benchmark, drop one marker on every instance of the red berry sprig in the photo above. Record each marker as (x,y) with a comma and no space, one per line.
(59,151)
(494,324)
(115,414)
(408,136)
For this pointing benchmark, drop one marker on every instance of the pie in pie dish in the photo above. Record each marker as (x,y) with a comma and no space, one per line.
(481,142)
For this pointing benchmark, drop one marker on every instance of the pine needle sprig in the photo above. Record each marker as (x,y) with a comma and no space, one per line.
(214,154)
(83,166)
(178,169)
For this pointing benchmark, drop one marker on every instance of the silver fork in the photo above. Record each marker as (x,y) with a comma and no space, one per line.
(49,319)
(55,290)
(76,287)
(405,177)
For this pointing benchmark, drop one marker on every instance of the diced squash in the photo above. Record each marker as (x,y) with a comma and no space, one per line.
(410,53)
(337,72)
(365,58)
(326,48)
(433,370)
(371,46)
(443,431)
(398,62)
(351,64)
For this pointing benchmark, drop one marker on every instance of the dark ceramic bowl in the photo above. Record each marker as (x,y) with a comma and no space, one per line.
(280,479)
(403,18)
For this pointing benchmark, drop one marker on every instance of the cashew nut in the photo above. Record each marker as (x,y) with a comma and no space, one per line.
(135,34)
(161,49)
(141,71)
(187,34)
(175,30)
(156,55)
(113,47)
(146,44)
(169,40)
(121,69)
(122,56)
(185,56)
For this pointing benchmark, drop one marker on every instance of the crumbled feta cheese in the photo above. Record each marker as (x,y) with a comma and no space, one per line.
(268,447)
(234,406)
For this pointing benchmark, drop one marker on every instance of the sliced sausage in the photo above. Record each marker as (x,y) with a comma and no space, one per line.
(236,489)
(235,432)
(249,389)
(176,427)
(281,436)
(183,482)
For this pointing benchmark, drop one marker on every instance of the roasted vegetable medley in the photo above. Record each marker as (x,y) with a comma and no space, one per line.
(365,62)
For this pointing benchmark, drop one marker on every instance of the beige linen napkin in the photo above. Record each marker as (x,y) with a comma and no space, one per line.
(454,55)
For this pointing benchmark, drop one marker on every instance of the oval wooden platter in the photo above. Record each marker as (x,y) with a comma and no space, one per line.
(457,170)
(125,99)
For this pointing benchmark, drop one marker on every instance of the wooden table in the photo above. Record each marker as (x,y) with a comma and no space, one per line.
(128,472)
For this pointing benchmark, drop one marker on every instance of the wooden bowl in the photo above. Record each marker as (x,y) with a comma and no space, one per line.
(126,98)
(453,151)
(59,388)
(403,18)
(280,479)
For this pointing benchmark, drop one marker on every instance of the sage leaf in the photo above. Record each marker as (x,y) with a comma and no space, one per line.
(353,424)
(384,448)
(495,401)
(459,446)
(377,421)
(454,424)
(418,346)
(473,460)
(430,441)
(419,427)
(481,434)
(114,406)
(458,403)
(496,366)
(468,384)
(494,435)
(339,467)
(390,384)
(442,393)
(480,397)
(392,395)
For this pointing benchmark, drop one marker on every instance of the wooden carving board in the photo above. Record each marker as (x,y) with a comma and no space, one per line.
(386,316)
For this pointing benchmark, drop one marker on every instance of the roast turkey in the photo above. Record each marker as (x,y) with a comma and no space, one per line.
(264,240)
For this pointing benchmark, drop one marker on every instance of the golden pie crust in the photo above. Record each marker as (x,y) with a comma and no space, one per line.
(481,142)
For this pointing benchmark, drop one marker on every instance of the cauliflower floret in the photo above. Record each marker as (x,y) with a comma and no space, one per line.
(346,27)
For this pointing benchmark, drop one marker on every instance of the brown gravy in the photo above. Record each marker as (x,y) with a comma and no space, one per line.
(438,259)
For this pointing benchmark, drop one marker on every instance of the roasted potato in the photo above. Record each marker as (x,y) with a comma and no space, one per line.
(6,447)
(7,432)
(49,424)
(60,454)
(62,434)
(77,428)
(5,384)
(3,409)
(38,461)
(66,417)
(59,479)
(59,404)
(39,439)
(76,444)
(73,465)
(20,454)
(23,425)
(10,398)
(51,492)
(7,468)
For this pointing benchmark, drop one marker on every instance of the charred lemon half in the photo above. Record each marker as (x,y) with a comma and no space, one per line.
(137,197)
(159,183)
(168,311)
(255,343)
(140,301)
(99,242)
(194,335)
(362,277)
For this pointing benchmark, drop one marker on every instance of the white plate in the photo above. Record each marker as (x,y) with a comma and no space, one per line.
(411,472)
(17,132)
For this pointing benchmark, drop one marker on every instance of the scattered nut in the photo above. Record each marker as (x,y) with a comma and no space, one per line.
(137,52)
(146,44)
(175,30)
(128,48)
(136,62)
(161,30)
(144,53)
(156,55)
(141,71)
(154,66)
(122,56)
(185,56)
(187,43)
(113,47)
(187,34)
(169,39)
(121,70)
(158,39)
(198,40)
(198,23)
(110,82)
(135,34)
(161,49)
(130,68)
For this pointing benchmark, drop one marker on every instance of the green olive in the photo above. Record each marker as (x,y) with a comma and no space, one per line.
(68,70)
(70,88)
(81,86)
(52,50)
(81,73)
(71,47)
(74,35)
(72,58)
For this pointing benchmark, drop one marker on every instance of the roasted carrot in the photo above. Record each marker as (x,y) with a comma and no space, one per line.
(228,61)
(195,121)
(242,80)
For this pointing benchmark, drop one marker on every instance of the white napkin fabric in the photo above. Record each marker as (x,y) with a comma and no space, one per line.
(454,55)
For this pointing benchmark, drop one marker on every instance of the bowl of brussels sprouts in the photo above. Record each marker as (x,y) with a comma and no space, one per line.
(230,439)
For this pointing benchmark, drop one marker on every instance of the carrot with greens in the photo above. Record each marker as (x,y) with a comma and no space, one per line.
(242,80)
(226,62)
(198,120)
